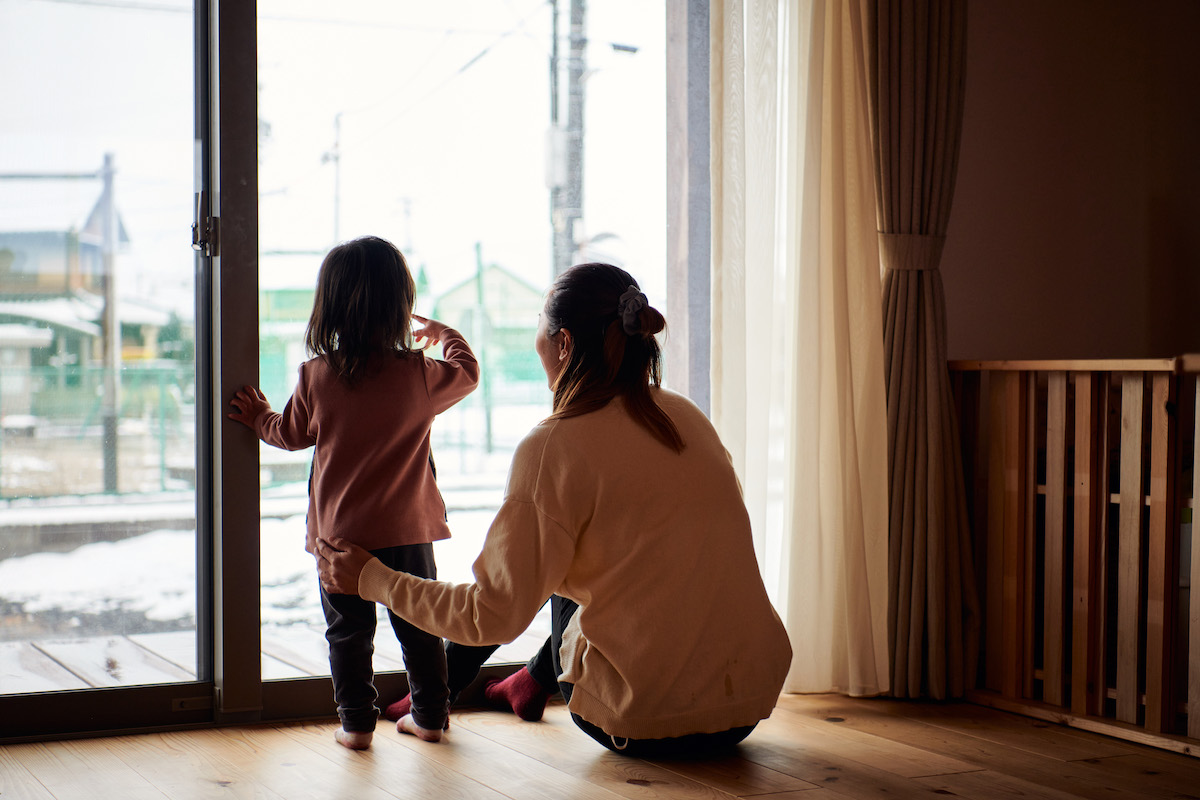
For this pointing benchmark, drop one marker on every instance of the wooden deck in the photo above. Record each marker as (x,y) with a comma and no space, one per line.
(812,747)
(296,651)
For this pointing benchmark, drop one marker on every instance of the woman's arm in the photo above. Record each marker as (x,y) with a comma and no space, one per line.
(524,560)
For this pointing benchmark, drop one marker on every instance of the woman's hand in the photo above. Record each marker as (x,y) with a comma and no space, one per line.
(339,563)
(432,331)
(248,403)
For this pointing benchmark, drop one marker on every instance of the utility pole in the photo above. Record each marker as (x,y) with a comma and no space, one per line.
(481,335)
(111,404)
(566,197)
(334,154)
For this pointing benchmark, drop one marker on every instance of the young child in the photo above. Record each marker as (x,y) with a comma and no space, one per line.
(366,401)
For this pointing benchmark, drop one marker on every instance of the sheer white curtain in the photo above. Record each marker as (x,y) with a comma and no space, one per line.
(798,390)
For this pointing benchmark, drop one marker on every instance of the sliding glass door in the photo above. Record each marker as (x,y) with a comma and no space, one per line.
(494,144)
(98,364)
(171,174)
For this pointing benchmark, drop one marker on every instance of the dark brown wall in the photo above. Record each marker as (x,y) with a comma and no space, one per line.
(1075,230)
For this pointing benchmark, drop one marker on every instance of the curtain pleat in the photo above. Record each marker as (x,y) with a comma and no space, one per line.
(916,55)
(797,355)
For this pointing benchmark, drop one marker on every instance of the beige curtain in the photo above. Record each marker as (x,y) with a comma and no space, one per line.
(798,391)
(916,59)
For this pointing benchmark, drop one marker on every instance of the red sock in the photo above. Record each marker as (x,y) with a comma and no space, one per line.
(399,708)
(520,691)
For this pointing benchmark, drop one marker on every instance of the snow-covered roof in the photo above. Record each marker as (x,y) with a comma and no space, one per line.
(54,206)
(25,336)
(83,312)
(65,312)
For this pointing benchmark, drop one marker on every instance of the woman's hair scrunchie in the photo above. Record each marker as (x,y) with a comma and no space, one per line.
(628,308)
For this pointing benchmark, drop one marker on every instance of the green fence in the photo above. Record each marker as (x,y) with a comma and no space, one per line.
(53,423)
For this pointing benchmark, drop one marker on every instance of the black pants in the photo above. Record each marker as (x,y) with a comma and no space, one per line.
(351,623)
(464,663)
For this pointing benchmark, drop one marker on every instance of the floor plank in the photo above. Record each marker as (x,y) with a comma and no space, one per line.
(780,743)
(988,785)
(1153,772)
(178,647)
(269,758)
(80,771)
(1024,733)
(557,742)
(24,668)
(900,758)
(112,661)
(477,760)
(895,720)
(388,767)
(300,646)
(17,782)
(811,747)
(185,767)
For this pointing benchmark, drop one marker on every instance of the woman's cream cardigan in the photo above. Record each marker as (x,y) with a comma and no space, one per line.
(675,634)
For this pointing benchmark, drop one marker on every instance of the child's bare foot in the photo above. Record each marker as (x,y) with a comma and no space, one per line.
(407,724)
(355,740)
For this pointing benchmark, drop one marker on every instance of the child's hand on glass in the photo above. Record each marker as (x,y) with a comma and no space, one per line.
(432,332)
(247,404)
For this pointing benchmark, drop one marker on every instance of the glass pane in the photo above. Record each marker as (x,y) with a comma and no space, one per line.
(97,376)
(433,125)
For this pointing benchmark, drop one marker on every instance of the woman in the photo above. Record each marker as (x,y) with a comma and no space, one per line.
(624,502)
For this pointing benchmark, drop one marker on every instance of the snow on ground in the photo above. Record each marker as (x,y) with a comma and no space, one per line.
(155,574)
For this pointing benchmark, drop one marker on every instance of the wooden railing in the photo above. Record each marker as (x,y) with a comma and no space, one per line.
(1081,482)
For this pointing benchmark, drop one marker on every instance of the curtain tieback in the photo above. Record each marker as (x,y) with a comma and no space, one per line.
(911,251)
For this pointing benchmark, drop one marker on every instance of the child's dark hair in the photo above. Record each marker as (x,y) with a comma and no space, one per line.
(614,352)
(363,305)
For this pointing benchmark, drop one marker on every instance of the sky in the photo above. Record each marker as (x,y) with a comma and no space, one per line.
(442,112)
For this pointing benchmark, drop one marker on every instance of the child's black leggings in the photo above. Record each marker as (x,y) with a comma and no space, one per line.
(351,623)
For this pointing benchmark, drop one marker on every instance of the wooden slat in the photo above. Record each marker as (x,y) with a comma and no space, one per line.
(1189,363)
(1029,529)
(994,531)
(1105,600)
(1193,700)
(1129,565)
(24,668)
(1076,365)
(178,647)
(1055,582)
(972,415)
(301,646)
(1086,593)
(1161,565)
(112,661)
(1013,511)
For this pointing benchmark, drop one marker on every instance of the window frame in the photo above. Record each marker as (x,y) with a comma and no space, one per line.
(230,688)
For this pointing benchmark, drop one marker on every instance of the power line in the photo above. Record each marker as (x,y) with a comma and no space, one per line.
(122,4)
(383,126)
(186,8)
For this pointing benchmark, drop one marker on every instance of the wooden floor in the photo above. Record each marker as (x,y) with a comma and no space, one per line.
(812,747)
